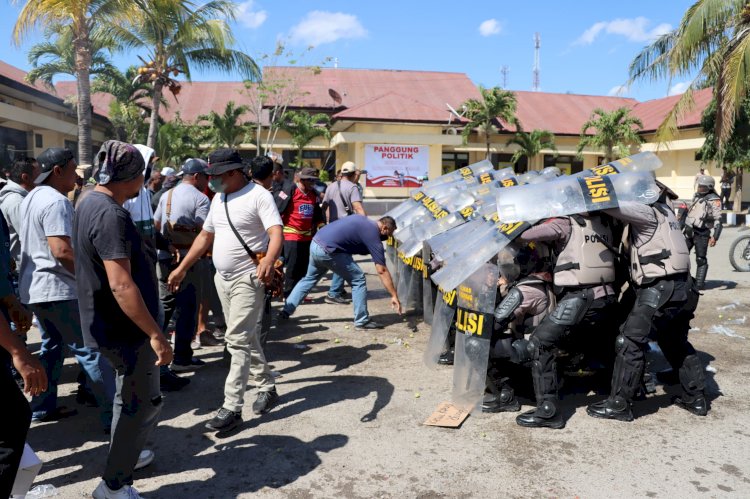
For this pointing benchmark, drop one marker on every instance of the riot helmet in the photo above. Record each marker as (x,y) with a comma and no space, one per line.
(706,184)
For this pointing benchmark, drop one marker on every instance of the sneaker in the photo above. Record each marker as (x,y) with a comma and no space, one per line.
(145,458)
(191,365)
(369,325)
(125,492)
(207,339)
(282,315)
(170,382)
(195,344)
(265,401)
(57,414)
(225,420)
(336,300)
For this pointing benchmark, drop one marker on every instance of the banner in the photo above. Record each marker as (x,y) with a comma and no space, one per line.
(396,165)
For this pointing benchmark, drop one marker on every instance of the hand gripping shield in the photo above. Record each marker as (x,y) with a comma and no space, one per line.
(474,316)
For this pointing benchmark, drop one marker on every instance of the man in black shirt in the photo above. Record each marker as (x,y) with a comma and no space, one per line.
(119,307)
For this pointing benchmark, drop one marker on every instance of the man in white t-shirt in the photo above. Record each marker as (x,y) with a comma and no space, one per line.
(243,219)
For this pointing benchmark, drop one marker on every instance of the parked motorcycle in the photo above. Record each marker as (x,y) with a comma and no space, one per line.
(739,251)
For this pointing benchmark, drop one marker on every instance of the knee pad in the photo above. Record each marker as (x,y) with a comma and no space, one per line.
(532,348)
(701,261)
(521,351)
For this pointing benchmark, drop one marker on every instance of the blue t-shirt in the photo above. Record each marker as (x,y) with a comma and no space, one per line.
(355,234)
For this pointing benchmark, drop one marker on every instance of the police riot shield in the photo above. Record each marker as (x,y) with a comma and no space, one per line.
(474,322)
(442,320)
(391,258)
(428,295)
(570,195)
(409,288)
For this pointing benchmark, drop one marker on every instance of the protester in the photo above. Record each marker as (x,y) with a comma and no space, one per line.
(726,187)
(169,180)
(332,249)
(120,309)
(179,217)
(155,182)
(20,182)
(47,284)
(246,245)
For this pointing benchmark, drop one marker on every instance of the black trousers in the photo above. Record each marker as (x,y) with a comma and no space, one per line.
(662,311)
(699,241)
(296,261)
(725,195)
(14,427)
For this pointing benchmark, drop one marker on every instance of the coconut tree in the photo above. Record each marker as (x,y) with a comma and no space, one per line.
(56,56)
(125,88)
(83,17)
(484,114)
(530,144)
(177,37)
(303,128)
(613,132)
(227,129)
(176,142)
(710,47)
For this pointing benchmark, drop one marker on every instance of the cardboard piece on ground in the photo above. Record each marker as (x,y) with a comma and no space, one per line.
(447,415)
(27,472)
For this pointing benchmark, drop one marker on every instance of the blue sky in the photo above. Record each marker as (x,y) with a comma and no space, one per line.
(586,45)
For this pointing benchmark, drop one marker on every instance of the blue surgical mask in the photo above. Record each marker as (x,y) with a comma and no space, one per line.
(215,184)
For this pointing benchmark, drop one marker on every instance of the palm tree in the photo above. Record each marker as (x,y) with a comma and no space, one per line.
(303,128)
(531,144)
(711,47)
(226,130)
(83,17)
(483,114)
(614,132)
(57,57)
(125,89)
(177,37)
(176,142)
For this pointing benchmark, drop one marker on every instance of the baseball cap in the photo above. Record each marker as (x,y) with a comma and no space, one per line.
(309,173)
(168,171)
(348,167)
(193,166)
(49,159)
(224,160)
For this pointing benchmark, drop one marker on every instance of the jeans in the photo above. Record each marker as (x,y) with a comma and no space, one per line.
(243,300)
(340,263)
(15,426)
(60,325)
(183,305)
(137,406)
(337,286)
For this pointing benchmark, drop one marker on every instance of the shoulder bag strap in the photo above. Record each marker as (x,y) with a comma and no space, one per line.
(341,196)
(250,252)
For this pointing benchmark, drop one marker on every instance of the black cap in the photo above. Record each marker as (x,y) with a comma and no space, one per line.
(309,173)
(223,160)
(49,159)
(193,166)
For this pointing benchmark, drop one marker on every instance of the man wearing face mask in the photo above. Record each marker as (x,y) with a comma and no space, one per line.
(244,227)
(179,217)
(332,249)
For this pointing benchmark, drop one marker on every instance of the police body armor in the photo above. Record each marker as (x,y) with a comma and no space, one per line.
(700,214)
(665,254)
(585,260)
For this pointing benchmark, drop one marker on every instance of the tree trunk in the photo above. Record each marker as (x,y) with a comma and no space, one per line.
(83,90)
(153,127)
(488,147)
(737,206)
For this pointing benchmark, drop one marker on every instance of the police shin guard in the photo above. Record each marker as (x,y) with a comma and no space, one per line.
(499,397)
(700,276)
(544,375)
(626,377)
(693,381)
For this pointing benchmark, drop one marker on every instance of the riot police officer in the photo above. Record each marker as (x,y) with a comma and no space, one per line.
(584,270)
(703,215)
(524,270)
(665,301)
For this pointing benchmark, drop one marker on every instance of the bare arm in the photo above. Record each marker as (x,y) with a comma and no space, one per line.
(131,302)
(62,250)
(358,208)
(387,280)
(276,240)
(202,243)
(32,372)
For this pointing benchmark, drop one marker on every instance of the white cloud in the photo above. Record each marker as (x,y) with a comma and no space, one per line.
(320,27)
(679,88)
(619,91)
(635,30)
(249,17)
(490,27)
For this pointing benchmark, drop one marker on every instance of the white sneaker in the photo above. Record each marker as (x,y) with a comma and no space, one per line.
(195,344)
(144,459)
(126,492)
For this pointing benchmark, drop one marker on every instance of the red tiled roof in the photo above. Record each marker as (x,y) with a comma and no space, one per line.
(19,76)
(99,101)
(653,112)
(394,107)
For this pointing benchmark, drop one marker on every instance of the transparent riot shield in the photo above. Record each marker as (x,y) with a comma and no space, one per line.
(409,283)
(391,258)
(442,319)
(570,195)
(474,321)
(428,294)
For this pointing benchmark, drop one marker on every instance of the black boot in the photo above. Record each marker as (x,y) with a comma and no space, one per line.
(546,415)
(612,408)
(700,277)
(499,397)
(446,358)
(693,381)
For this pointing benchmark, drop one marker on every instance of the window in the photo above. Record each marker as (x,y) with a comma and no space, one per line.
(38,140)
(454,160)
(566,164)
(13,145)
